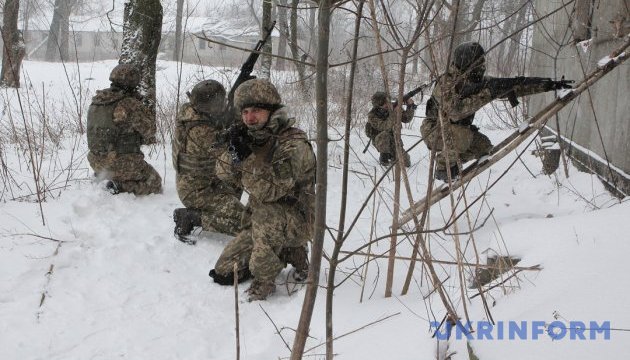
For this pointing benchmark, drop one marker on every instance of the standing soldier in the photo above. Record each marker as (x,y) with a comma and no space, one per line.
(117,125)
(380,127)
(459,93)
(210,202)
(276,167)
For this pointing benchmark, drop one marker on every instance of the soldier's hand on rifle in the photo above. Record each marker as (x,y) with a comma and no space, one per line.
(563,84)
(557,85)
(411,104)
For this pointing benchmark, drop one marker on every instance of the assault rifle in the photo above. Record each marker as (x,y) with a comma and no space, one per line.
(246,70)
(236,133)
(406,97)
(412,93)
(507,87)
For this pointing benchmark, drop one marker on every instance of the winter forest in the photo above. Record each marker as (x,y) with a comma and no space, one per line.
(520,254)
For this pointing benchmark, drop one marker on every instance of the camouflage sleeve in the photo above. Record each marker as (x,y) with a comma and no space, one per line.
(200,142)
(226,171)
(460,107)
(138,117)
(533,86)
(293,162)
(380,124)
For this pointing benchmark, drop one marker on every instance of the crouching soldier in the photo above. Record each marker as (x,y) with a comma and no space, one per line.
(380,127)
(276,166)
(209,201)
(118,123)
(458,94)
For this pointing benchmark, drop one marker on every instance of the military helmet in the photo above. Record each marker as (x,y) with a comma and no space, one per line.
(258,93)
(208,96)
(125,75)
(467,55)
(379,98)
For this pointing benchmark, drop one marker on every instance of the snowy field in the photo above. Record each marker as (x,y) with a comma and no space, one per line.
(88,275)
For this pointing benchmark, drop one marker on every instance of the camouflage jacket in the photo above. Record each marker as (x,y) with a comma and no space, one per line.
(193,139)
(118,119)
(282,170)
(380,119)
(461,109)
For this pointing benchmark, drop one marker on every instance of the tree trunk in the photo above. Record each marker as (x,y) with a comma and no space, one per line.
(321,95)
(64,29)
(283,29)
(583,19)
(334,258)
(177,49)
(26,14)
(312,48)
(142,30)
(53,45)
(295,53)
(265,62)
(14,49)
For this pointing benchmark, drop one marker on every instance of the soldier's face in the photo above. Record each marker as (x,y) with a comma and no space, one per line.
(255,117)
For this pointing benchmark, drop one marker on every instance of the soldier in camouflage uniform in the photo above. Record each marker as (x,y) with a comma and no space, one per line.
(117,125)
(453,97)
(210,202)
(277,169)
(380,127)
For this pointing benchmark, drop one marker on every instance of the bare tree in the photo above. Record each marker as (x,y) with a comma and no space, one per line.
(295,52)
(265,62)
(64,28)
(142,31)
(57,45)
(334,258)
(321,96)
(283,29)
(177,48)
(53,44)
(13,49)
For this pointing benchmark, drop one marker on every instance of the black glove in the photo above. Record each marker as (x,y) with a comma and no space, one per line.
(557,85)
(239,143)
(563,84)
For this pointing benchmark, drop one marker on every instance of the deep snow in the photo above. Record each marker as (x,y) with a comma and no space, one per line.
(123,287)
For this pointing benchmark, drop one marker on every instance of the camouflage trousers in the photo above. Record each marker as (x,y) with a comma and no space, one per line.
(386,144)
(467,143)
(129,172)
(220,205)
(268,230)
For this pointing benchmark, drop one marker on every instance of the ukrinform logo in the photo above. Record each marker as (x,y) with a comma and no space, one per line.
(523,330)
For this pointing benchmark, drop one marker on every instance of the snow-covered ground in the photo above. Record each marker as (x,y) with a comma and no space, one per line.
(95,276)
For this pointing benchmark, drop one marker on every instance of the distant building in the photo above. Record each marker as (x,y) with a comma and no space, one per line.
(98,38)
(595,129)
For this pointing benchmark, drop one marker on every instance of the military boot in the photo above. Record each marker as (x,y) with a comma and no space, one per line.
(259,290)
(440,174)
(385,159)
(112,187)
(407,159)
(185,221)
(298,258)
(243,275)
